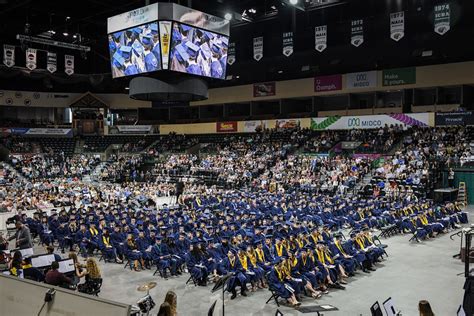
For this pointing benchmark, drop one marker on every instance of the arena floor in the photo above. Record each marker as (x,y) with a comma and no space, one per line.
(412,272)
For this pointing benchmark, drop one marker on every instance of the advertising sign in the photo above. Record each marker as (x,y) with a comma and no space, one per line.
(399,76)
(371,121)
(359,80)
(226,127)
(134,129)
(328,83)
(254,126)
(265,89)
(454,118)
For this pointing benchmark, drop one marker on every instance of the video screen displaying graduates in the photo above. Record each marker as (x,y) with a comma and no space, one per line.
(135,50)
(198,52)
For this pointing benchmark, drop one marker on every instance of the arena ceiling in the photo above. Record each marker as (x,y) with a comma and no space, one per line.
(268,18)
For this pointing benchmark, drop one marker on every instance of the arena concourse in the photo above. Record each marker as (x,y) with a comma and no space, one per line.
(279,157)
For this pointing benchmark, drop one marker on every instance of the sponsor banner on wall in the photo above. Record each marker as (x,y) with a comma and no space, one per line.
(399,76)
(226,127)
(288,44)
(328,83)
(231,54)
(134,129)
(9,55)
(357,80)
(49,131)
(397,25)
(264,89)
(288,123)
(454,118)
(442,18)
(69,64)
(31,58)
(258,48)
(321,37)
(51,62)
(357,32)
(255,126)
(371,121)
(165,37)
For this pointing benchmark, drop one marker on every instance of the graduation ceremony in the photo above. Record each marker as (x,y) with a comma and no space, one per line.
(229,158)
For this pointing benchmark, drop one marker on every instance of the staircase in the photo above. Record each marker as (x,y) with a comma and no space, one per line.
(13,171)
(79,147)
(462,194)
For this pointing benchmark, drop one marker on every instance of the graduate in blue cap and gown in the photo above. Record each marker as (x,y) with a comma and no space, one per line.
(255,268)
(217,71)
(341,256)
(194,262)
(151,61)
(129,68)
(192,66)
(234,266)
(277,283)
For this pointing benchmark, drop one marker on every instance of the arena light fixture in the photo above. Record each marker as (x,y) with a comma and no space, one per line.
(228,16)
(293,2)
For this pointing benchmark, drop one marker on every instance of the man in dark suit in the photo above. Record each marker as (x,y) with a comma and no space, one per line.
(22,236)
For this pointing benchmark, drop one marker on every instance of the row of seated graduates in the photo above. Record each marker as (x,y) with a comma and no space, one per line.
(132,236)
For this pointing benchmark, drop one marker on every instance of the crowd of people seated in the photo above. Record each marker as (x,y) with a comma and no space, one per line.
(43,166)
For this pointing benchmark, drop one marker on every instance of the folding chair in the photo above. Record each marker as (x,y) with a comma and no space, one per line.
(376,310)
(274,296)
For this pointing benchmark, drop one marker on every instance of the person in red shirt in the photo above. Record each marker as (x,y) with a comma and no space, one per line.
(54,277)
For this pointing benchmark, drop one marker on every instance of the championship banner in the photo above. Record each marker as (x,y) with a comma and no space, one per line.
(320,38)
(51,64)
(226,127)
(265,89)
(134,129)
(454,118)
(31,58)
(357,80)
(397,25)
(371,121)
(258,48)
(288,44)
(254,126)
(442,18)
(357,32)
(165,37)
(231,54)
(69,64)
(9,55)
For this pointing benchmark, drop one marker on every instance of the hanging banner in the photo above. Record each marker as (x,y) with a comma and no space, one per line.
(399,76)
(397,25)
(320,38)
(9,55)
(51,64)
(442,18)
(288,44)
(231,54)
(356,80)
(372,121)
(31,58)
(69,64)
(357,32)
(258,48)
(454,118)
(265,89)
(165,36)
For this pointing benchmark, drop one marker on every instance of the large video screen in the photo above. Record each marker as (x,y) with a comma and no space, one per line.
(198,52)
(135,50)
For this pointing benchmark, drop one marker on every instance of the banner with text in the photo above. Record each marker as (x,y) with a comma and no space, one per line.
(454,118)
(288,123)
(321,37)
(49,131)
(327,83)
(258,48)
(254,126)
(357,80)
(69,64)
(51,65)
(357,32)
(399,76)
(371,121)
(226,127)
(9,55)
(442,18)
(134,129)
(31,58)
(264,89)
(397,25)
(231,54)
(288,44)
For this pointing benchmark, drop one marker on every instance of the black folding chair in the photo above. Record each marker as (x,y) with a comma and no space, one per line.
(274,296)
(376,310)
